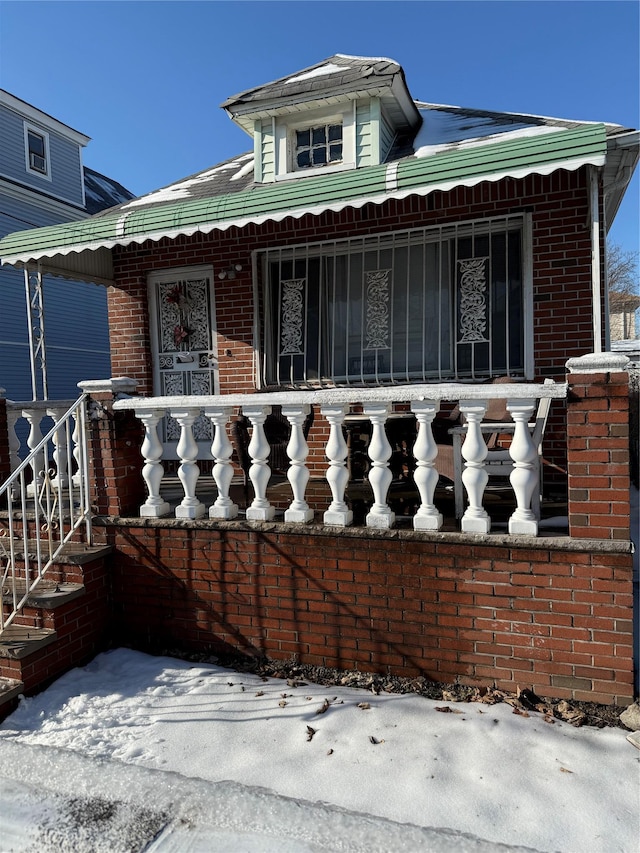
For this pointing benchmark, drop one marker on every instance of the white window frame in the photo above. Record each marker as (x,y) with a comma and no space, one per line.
(285,143)
(38,131)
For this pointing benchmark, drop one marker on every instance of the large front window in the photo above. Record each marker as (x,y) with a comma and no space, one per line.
(410,306)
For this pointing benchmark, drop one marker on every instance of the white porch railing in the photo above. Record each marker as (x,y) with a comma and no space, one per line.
(46,496)
(334,405)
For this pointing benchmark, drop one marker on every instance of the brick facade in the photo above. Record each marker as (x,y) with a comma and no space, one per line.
(561,247)
(555,618)
(562,277)
(555,615)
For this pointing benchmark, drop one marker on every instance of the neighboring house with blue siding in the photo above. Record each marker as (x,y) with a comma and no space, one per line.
(43,182)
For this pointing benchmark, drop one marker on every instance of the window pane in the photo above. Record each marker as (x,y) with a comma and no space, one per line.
(319,135)
(303,138)
(335,153)
(36,144)
(319,156)
(303,159)
(335,132)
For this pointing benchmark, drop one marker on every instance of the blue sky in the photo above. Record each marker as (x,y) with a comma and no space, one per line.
(145,79)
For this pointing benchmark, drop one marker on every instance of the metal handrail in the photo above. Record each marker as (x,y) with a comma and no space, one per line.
(55,502)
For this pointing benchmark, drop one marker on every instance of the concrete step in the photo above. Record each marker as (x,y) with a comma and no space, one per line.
(76,553)
(48,595)
(10,689)
(20,641)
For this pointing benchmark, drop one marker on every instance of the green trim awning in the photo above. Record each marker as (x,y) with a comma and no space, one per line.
(86,245)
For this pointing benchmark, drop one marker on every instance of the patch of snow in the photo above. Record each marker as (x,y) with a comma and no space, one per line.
(245,170)
(369,58)
(183,189)
(329,68)
(108,188)
(442,130)
(200,755)
(58,801)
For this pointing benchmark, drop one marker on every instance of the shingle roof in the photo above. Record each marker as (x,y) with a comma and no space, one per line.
(101,192)
(338,73)
(335,80)
(445,130)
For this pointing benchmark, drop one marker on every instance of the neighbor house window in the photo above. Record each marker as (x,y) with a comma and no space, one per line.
(37,150)
(412,306)
(316,146)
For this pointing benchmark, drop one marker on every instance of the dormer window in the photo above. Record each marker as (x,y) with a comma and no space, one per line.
(37,151)
(342,113)
(319,145)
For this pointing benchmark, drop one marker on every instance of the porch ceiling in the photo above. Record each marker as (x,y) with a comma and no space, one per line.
(82,250)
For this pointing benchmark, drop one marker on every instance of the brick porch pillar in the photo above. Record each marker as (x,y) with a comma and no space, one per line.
(115,438)
(598,446)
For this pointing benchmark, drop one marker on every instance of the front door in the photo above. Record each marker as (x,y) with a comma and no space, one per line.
(184,342)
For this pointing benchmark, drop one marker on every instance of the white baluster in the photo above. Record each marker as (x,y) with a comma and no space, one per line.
(336,451)
(76,479)
(221,450)
(259,472)
(60,455)
(380,475)
(152,471)
(298,473)
(474,477)
(425,476)
(33,418)
(13,416)
(524,476)
(188,472)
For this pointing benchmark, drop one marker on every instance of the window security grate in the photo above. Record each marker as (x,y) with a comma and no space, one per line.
(412,306)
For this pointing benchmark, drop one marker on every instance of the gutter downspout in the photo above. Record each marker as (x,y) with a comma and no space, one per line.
(596,288)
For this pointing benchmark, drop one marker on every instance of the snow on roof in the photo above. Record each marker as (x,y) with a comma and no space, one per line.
(366,58)
(330,68)
(102,193)
(443,130)
(183,189)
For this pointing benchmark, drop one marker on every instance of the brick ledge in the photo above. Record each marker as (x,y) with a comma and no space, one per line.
(554,543)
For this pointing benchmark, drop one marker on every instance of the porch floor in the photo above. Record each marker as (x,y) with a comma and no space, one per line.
(403,499)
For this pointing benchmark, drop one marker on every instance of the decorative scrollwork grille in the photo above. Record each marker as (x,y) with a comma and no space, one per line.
(473,300)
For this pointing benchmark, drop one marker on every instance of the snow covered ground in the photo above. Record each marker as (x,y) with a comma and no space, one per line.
(145,753)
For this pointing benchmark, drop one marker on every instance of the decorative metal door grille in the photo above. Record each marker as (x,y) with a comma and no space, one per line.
(410,306)
(186,361)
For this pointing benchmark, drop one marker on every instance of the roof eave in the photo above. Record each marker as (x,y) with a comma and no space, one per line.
(622,158)
(375,184)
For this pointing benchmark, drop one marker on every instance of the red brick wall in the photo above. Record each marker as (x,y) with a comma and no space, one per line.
(598,455)
(82,628)
(554,618)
